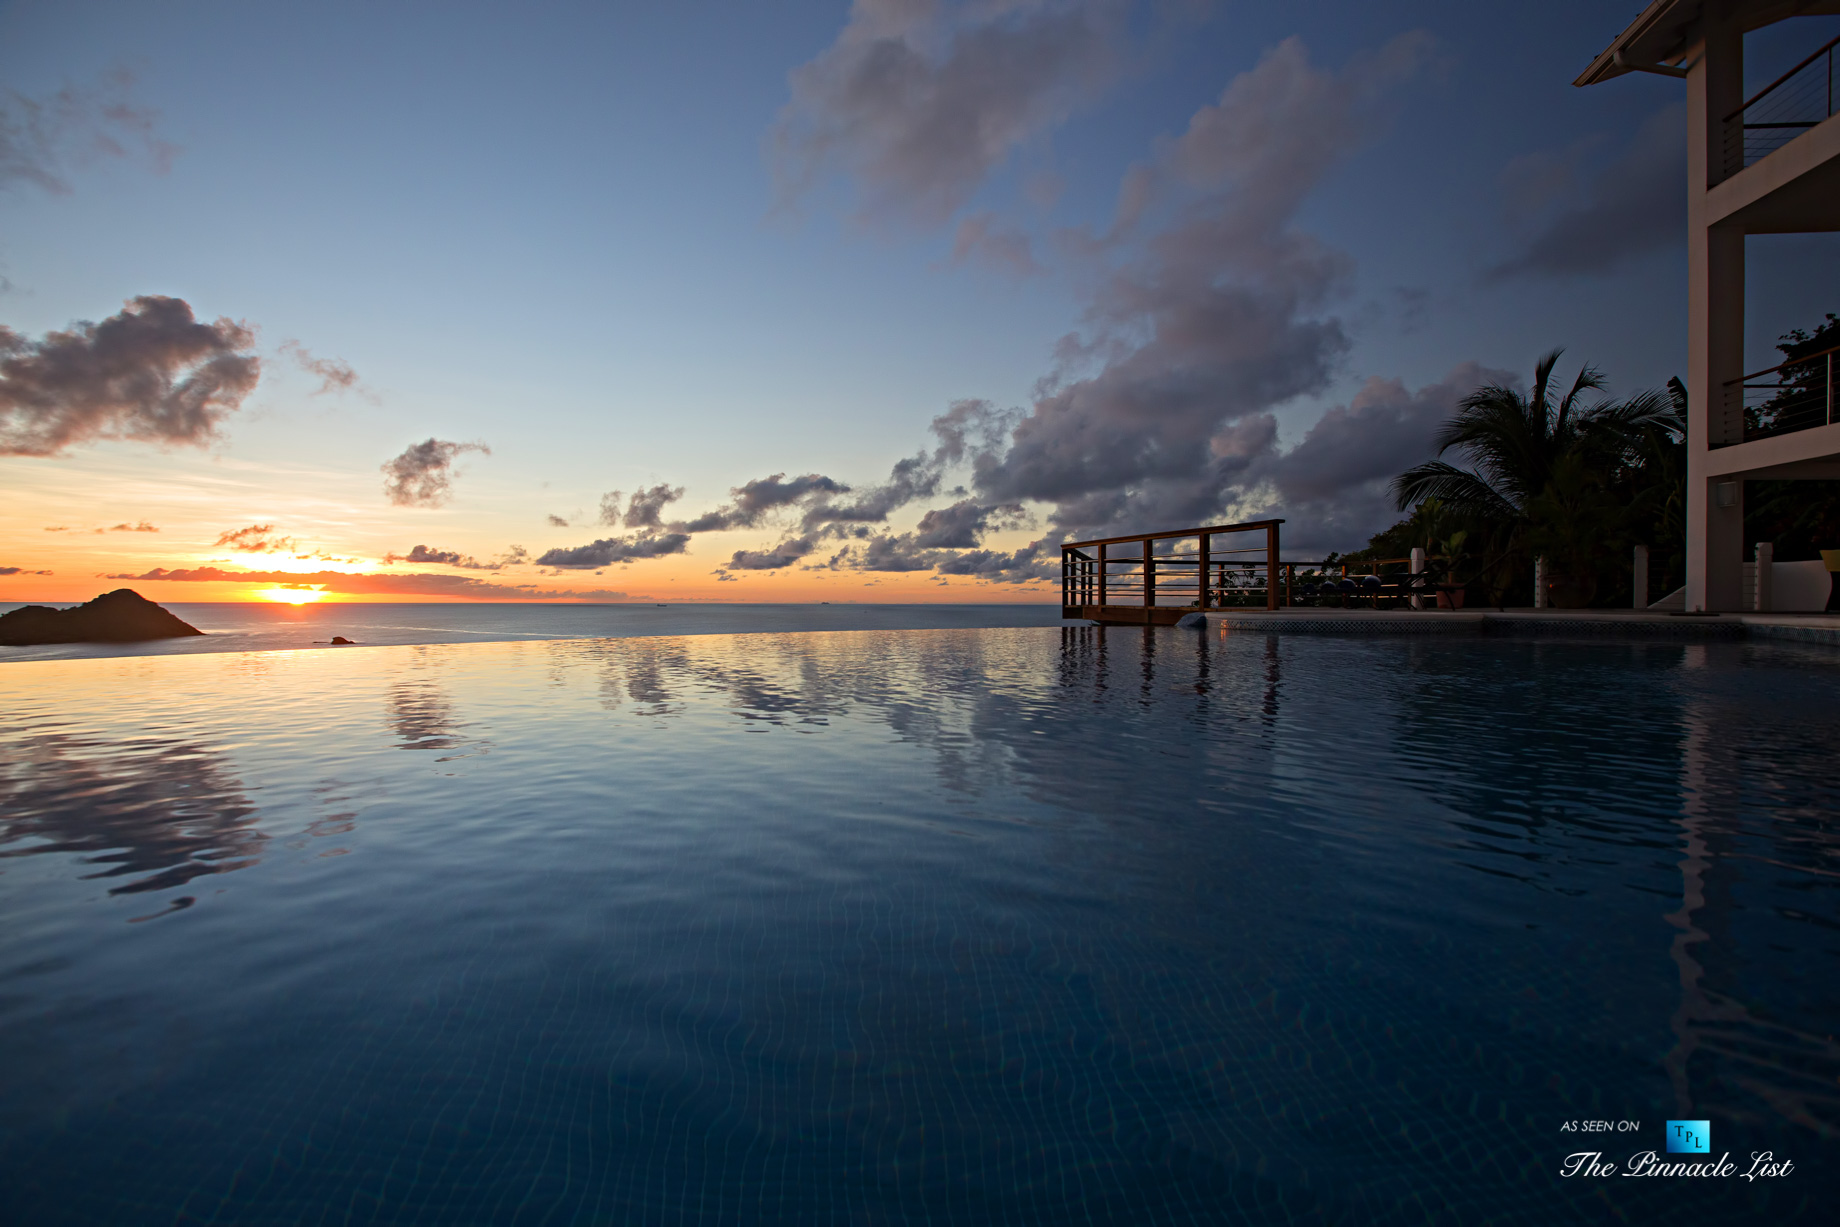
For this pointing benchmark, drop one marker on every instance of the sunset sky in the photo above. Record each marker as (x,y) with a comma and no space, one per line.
(794,301)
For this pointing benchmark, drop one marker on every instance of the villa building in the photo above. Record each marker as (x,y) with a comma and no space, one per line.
(1768,163)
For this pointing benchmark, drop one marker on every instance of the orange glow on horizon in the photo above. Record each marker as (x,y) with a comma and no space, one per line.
(290,596)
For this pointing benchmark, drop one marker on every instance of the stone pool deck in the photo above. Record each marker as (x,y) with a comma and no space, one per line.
(1811,628)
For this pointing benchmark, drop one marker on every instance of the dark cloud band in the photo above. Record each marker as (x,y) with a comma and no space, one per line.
(610,550)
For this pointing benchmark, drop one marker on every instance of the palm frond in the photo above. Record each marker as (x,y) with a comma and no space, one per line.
(1590,379)
(1541,399)
(1641,411)
(1501,433)
(1459,490)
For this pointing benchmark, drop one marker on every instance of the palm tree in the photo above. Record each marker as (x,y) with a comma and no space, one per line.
(1540,468)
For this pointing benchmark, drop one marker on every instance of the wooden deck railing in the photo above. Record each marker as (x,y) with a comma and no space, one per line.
(1150,578)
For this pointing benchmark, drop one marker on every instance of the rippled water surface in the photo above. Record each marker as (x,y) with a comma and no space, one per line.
(1024,925)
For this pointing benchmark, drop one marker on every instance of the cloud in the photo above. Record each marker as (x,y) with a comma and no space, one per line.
(898,554)
(969,431)
(962,525)
(1038,560)
(448,558)
(644,510)
(423,475)
(151,373)
(782,555)
(965,429)
(57,528)
(754,500)
(39,136)
(417,583)
(20,571)
(123,527)
(556,521)
(334,374)
(1632,207)
(904,553)
(982,239)
(256,539)
(1215,312)
(944,540)
(1383,430)
(1334,486)
(908,552)
(920,101)
(616,549)
(912,477)
(1211,311)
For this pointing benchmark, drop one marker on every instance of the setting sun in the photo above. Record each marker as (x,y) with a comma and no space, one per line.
(291,596)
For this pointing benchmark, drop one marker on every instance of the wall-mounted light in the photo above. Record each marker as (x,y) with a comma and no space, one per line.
(1725,494)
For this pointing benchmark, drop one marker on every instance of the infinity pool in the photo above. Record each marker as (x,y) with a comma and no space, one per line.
(1026,925)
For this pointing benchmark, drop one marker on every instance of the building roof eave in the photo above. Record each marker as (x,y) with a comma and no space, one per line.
(1667,29)
(1662,32)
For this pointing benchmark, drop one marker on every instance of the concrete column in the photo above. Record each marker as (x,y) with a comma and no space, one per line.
(1766,560)
(1718,536)
(1539,582)
(1639,584)
(1418,568)
(1715,321)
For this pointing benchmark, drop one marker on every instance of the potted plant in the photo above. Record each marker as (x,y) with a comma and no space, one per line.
(1451,590)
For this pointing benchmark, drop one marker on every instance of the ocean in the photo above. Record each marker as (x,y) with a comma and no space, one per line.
(263,627)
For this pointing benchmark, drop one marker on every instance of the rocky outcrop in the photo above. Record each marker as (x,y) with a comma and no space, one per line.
(121,616)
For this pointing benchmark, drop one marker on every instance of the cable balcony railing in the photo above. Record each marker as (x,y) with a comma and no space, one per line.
(1796,395)
(1782,110)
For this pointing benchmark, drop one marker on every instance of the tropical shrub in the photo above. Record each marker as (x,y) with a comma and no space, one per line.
(1576,478)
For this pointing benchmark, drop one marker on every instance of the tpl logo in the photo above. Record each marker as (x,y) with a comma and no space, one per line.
(1689,1137)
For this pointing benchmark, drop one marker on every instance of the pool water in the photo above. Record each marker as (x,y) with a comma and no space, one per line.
(955,926)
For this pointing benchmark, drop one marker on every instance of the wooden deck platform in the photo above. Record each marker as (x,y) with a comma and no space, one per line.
(1127,615)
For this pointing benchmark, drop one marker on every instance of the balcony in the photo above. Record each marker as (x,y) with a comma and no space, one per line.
(1782,110)
(1797,395)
